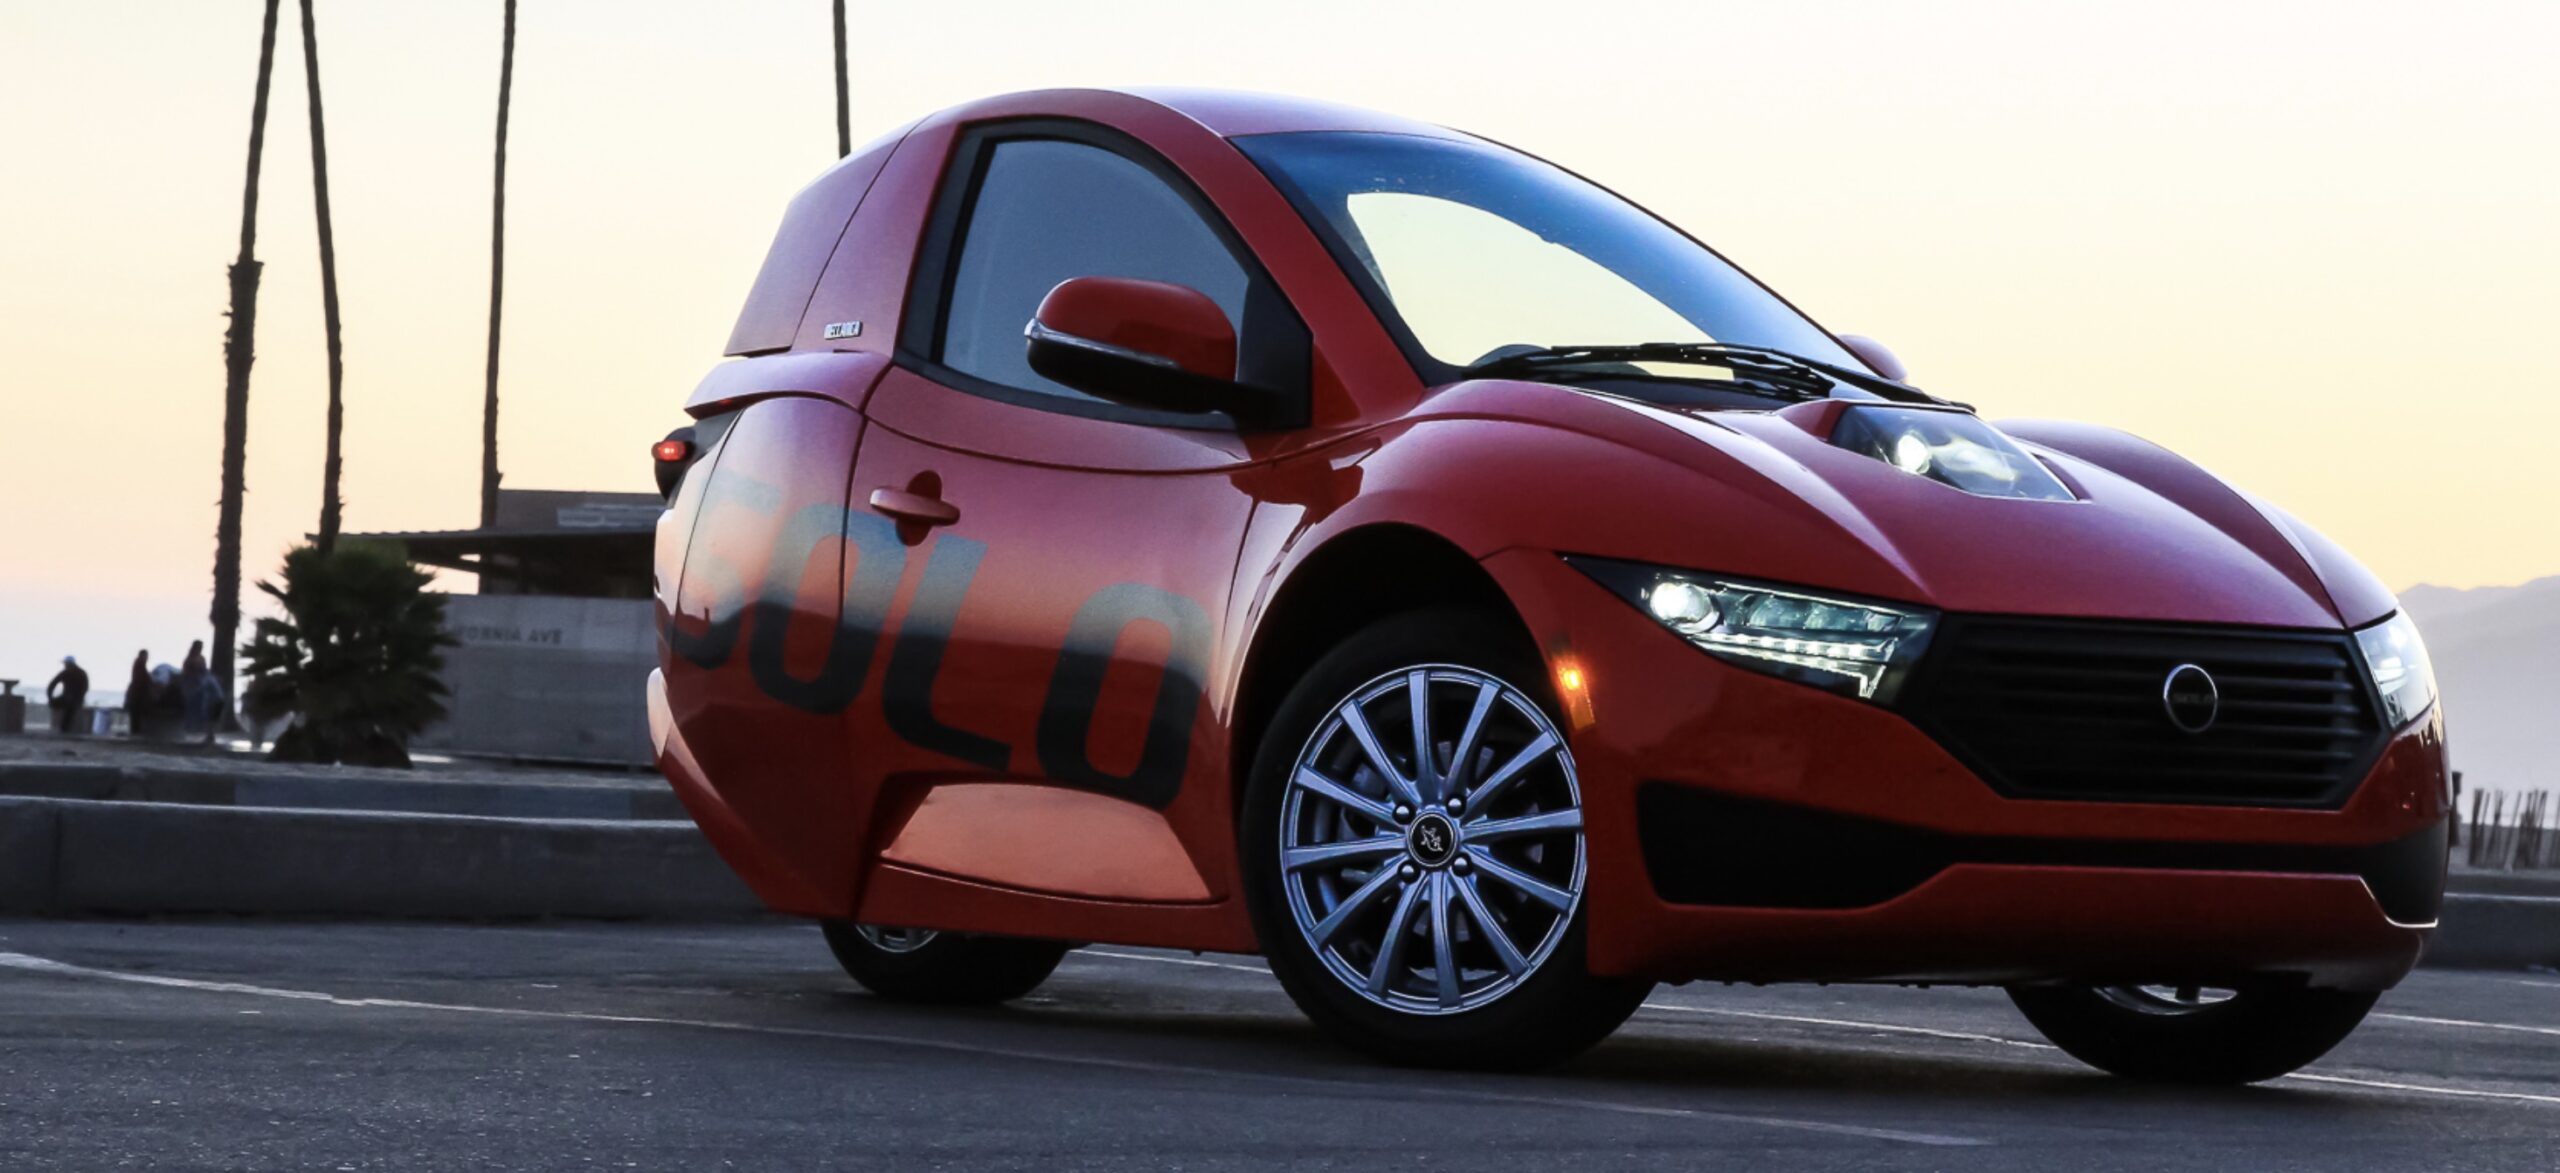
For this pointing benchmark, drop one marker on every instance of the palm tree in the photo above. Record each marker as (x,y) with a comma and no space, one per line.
(844,100)
(497,277)
(330,507)
(354,657)
(238,351)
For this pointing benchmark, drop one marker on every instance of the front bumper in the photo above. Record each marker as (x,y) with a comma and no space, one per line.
(1746,828)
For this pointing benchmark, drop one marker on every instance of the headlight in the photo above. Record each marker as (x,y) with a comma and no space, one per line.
(1854,647)
(1950,447)
(2397,660)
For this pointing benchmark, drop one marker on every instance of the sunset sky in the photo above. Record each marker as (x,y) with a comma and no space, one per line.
(2312,246)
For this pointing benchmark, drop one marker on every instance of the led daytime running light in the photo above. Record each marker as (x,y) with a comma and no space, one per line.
(1849,646)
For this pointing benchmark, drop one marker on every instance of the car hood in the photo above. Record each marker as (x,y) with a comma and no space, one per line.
(2150,535)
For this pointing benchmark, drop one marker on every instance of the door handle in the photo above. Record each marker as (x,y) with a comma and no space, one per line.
(914,507)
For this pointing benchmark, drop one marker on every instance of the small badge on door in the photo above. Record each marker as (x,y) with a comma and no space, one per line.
(836,330)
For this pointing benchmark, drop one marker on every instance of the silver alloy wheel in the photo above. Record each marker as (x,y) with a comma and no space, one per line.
(888,940)
(1431,839)
(2166,1000)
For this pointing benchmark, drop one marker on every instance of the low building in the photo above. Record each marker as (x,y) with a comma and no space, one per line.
(554,652)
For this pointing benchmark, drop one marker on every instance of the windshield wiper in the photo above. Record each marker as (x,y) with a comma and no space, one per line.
(1790,373)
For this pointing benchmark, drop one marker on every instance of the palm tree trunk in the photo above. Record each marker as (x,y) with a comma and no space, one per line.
(844,99)
(330,507)
(238,351)
(497,277)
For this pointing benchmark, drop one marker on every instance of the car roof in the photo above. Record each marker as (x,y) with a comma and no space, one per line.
(1226,113)
(1231,113)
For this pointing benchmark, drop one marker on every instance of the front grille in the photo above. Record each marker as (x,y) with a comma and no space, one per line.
(2071,709)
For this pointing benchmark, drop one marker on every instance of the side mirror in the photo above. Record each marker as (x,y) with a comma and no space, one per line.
(1142,343)
(1876,356)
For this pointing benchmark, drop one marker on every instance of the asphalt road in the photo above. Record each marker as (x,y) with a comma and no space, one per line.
(357,1047)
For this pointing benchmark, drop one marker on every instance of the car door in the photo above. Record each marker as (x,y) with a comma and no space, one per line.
(1043,724)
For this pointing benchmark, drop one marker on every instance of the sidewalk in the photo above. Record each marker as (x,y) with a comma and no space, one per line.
(56,749)
(122,771)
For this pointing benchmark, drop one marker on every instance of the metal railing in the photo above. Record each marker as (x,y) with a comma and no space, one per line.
(2511,830)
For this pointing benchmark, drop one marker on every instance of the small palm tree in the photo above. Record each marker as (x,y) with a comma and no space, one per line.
(355,657)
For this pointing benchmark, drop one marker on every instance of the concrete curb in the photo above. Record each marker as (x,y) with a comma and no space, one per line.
(2539,883)
(74,856)
(92,855)
(30,833)
(248,787)
(2490,930)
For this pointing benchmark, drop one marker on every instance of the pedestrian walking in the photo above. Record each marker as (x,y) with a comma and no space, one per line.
(217,707)
(138,694)
(194,683)
(66,695)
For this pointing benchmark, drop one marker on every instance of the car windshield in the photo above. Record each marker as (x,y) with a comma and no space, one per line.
(1469,251)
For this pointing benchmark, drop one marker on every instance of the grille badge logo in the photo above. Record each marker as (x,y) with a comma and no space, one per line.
(2191,698)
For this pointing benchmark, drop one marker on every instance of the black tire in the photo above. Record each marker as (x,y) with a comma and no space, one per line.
(2255,1034)
(947,969)
(1554,1013)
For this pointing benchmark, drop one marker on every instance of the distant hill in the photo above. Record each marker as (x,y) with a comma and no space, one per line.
(2497,656)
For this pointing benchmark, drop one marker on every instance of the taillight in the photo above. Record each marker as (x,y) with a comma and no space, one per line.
(669,458)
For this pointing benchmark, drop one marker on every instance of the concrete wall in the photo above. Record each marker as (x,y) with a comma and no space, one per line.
(552,678)
(67,856)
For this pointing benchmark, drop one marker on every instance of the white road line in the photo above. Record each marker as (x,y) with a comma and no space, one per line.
(1201,962)
(2464,1022)
(2343,1080)
(1329,1085)
(2424,1089)
(1886,1027)
(2307,1077)
(1996,1040)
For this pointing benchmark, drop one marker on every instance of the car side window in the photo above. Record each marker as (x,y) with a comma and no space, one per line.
(1047,210)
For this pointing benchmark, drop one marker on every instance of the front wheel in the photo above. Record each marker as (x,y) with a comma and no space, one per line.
(920,965)
(2191,1034)
(1414,852)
